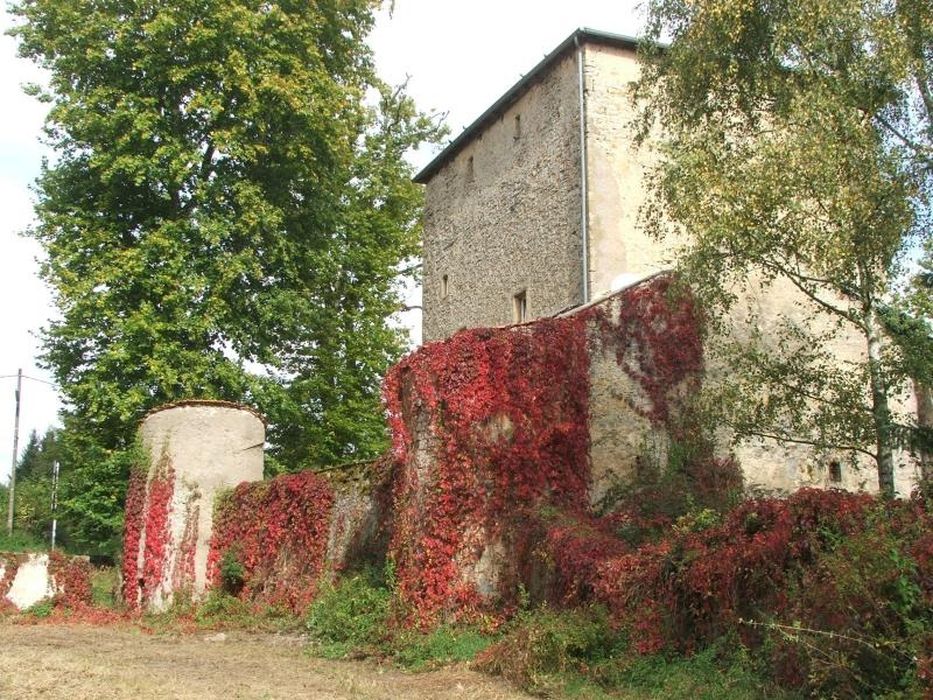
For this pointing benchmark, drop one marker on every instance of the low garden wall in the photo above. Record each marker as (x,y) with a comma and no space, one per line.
(274,541)
(28,578)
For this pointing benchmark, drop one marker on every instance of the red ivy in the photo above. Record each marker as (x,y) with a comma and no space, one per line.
(657,340)
(692,586)
(132,531)
(183,575)
(502,416)
(156,532)
(71,577)
(276,531)
(11,563)
(506,419)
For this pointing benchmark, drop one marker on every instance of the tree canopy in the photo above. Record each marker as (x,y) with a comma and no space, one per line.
(797,144)
(225,217)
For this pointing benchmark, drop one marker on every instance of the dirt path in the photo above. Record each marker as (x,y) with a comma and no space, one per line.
(72,661)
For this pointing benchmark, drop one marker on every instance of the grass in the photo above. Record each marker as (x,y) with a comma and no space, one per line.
(22,542)
(723,670)
(105,586)
(448,644)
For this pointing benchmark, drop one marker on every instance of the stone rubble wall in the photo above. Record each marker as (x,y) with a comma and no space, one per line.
(504,214)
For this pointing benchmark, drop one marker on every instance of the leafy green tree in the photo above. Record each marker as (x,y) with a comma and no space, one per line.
(225,218)
(798,151)
(34,471)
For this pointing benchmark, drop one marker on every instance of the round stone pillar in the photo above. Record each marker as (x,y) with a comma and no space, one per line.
(194,449)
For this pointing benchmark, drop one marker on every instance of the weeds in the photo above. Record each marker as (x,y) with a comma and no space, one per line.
(22,542)
(105,587)
(545,649)
(445,645)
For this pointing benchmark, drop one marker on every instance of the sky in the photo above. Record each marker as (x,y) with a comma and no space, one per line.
(457,57)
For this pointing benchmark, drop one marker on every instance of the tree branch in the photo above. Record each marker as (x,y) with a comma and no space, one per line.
(803,441)
(799,281)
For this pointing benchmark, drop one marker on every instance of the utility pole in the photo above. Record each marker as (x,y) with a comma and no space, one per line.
(9,512)
(54,503)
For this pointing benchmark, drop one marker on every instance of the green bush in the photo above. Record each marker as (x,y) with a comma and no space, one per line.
(231,572)
(349,616)
(222,610)
(577,653)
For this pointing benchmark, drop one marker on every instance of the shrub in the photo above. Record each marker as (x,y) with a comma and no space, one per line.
(231,572)
(866,626)
(350,616)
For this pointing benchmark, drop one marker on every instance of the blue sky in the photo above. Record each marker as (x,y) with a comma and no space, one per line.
(458,57)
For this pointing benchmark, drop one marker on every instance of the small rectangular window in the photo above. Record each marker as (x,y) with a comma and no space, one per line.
(835,471)
(469,171)
(444,287)
(518,127)
(520,307)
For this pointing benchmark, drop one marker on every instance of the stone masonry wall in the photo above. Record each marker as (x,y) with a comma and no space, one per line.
(503,215)
(616,170)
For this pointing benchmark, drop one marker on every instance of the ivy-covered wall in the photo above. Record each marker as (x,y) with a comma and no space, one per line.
(273,541)
(30,578)
(501,459)
(493,425)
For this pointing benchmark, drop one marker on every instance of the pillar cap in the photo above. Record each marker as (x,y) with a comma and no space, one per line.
(206,402)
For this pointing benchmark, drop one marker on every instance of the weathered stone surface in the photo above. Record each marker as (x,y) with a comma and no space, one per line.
(361,516)
(504,215)
(202,448)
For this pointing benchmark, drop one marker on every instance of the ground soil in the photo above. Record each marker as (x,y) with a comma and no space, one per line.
(76,661)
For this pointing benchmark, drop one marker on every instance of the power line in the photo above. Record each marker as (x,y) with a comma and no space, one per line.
(35,379)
